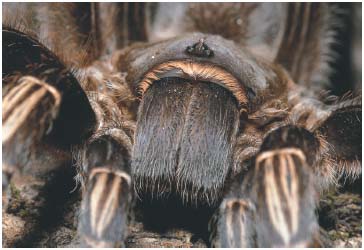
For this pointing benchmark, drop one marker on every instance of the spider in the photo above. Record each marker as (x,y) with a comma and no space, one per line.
(218,105)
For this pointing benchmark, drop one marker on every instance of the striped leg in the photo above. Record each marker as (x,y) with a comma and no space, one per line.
(29,107)
(274,204)
(284,195)
(106,200)
(45,110)
(233,224)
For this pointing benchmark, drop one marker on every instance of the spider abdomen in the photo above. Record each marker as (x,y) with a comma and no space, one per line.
(184,139)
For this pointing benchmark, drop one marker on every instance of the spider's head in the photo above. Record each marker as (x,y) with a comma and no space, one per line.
(203,57)
(193,108)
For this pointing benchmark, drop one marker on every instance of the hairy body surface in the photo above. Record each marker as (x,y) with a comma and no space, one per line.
(223,114)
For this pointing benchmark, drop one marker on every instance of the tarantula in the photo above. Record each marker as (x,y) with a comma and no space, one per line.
(219,105)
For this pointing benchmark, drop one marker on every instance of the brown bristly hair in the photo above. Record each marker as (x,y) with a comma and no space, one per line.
(230,20)
(196,71)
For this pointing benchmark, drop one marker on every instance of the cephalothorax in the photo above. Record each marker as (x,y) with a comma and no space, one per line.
(216,104)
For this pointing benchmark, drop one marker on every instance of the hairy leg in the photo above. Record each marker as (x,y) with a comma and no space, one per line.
(23,106)
(41,100)
(108,191)
(273,205)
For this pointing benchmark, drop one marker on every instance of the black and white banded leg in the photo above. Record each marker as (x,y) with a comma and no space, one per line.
(45,110)
(232,225)
(274,204)
(108,194)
